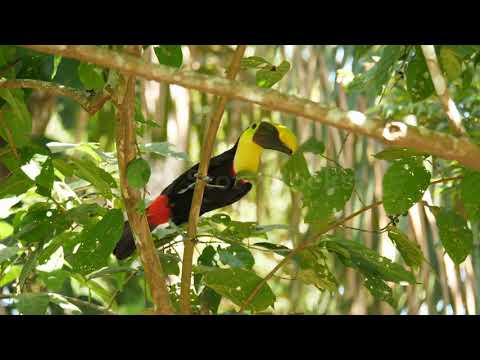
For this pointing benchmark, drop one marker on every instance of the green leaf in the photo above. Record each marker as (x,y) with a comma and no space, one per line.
(266,78)
(254,62)
(396,153)
(295,171)
(54,280)
(91,76)
(368,261)
(403,185)
(210,299)
(379,74)
(8,252)
(419,81)
(379,289)
(138,173)
(327,192)
(463,51)
(314,271)
(456,237)
(236,256)
(97,242)
(84,213)
(5,230)
(98,177)
(278,249)
(15,118)
(28,267)
(470,194)
(237,284)
(410,250)
(57,59)
(33,303)
(45,179)
(170,55)
(164,149)
(170,263)
(53,246)
(312,145)
(11,273)
(451,63)
(17,183)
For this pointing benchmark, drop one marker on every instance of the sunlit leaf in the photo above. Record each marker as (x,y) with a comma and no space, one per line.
(410,250)
(236,256)
(266,78)
(97,242)
(91,76)
(403,185)
(470,194)
(33,303)
(164,149)
(170,55)
(237,284)
(15,120)
(419,81)
(451,63)
(456,237)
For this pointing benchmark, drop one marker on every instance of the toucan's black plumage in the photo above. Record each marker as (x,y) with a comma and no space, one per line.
(223,188)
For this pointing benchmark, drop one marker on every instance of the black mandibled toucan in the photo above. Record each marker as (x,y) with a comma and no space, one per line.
(223,187)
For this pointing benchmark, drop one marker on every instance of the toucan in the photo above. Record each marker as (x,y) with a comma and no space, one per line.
(224,184)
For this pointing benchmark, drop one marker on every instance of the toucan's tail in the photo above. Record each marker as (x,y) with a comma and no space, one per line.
(126,245)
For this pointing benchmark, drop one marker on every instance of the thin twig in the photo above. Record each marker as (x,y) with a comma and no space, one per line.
(207,149)
(393,133)
(91,104)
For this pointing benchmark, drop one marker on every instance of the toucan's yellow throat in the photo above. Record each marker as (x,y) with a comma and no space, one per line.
(257,137)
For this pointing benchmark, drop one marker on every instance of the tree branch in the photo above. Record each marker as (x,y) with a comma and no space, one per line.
(126,152)
(441,88)
(197,197)
(392,133)
(90,103)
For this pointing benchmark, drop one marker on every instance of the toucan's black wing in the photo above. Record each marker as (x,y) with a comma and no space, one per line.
(219,165)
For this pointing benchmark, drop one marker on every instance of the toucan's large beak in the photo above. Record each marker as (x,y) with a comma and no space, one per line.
(275,137)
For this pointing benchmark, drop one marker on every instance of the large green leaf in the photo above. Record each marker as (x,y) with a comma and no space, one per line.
(396,153)
(17,183)
(470,194)
(91,76)
(369,262)
(456,237)
(314,271)
(379,289)
(410,250)
(378,75)
(170,55)
(266,78)
(97,242)
(327,192)
(237,284)
(7,252)
(295,171)
(451,63)
(236,256)
(138,173)
(15,118)
(45,179)
(404,184)
(98,177)
(419,81)
(33,303)
(11,273)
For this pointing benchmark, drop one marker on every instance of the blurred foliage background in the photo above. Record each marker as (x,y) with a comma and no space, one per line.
(169,113)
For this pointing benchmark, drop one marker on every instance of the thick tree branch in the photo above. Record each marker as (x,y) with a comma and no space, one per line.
(126,152)
(441,88)
(207,149)
(391,133)
(90,103)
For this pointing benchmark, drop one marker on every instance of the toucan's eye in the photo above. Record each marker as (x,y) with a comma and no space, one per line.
(254,126)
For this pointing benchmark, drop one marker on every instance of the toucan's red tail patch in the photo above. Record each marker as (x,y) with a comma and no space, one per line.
(159,212)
